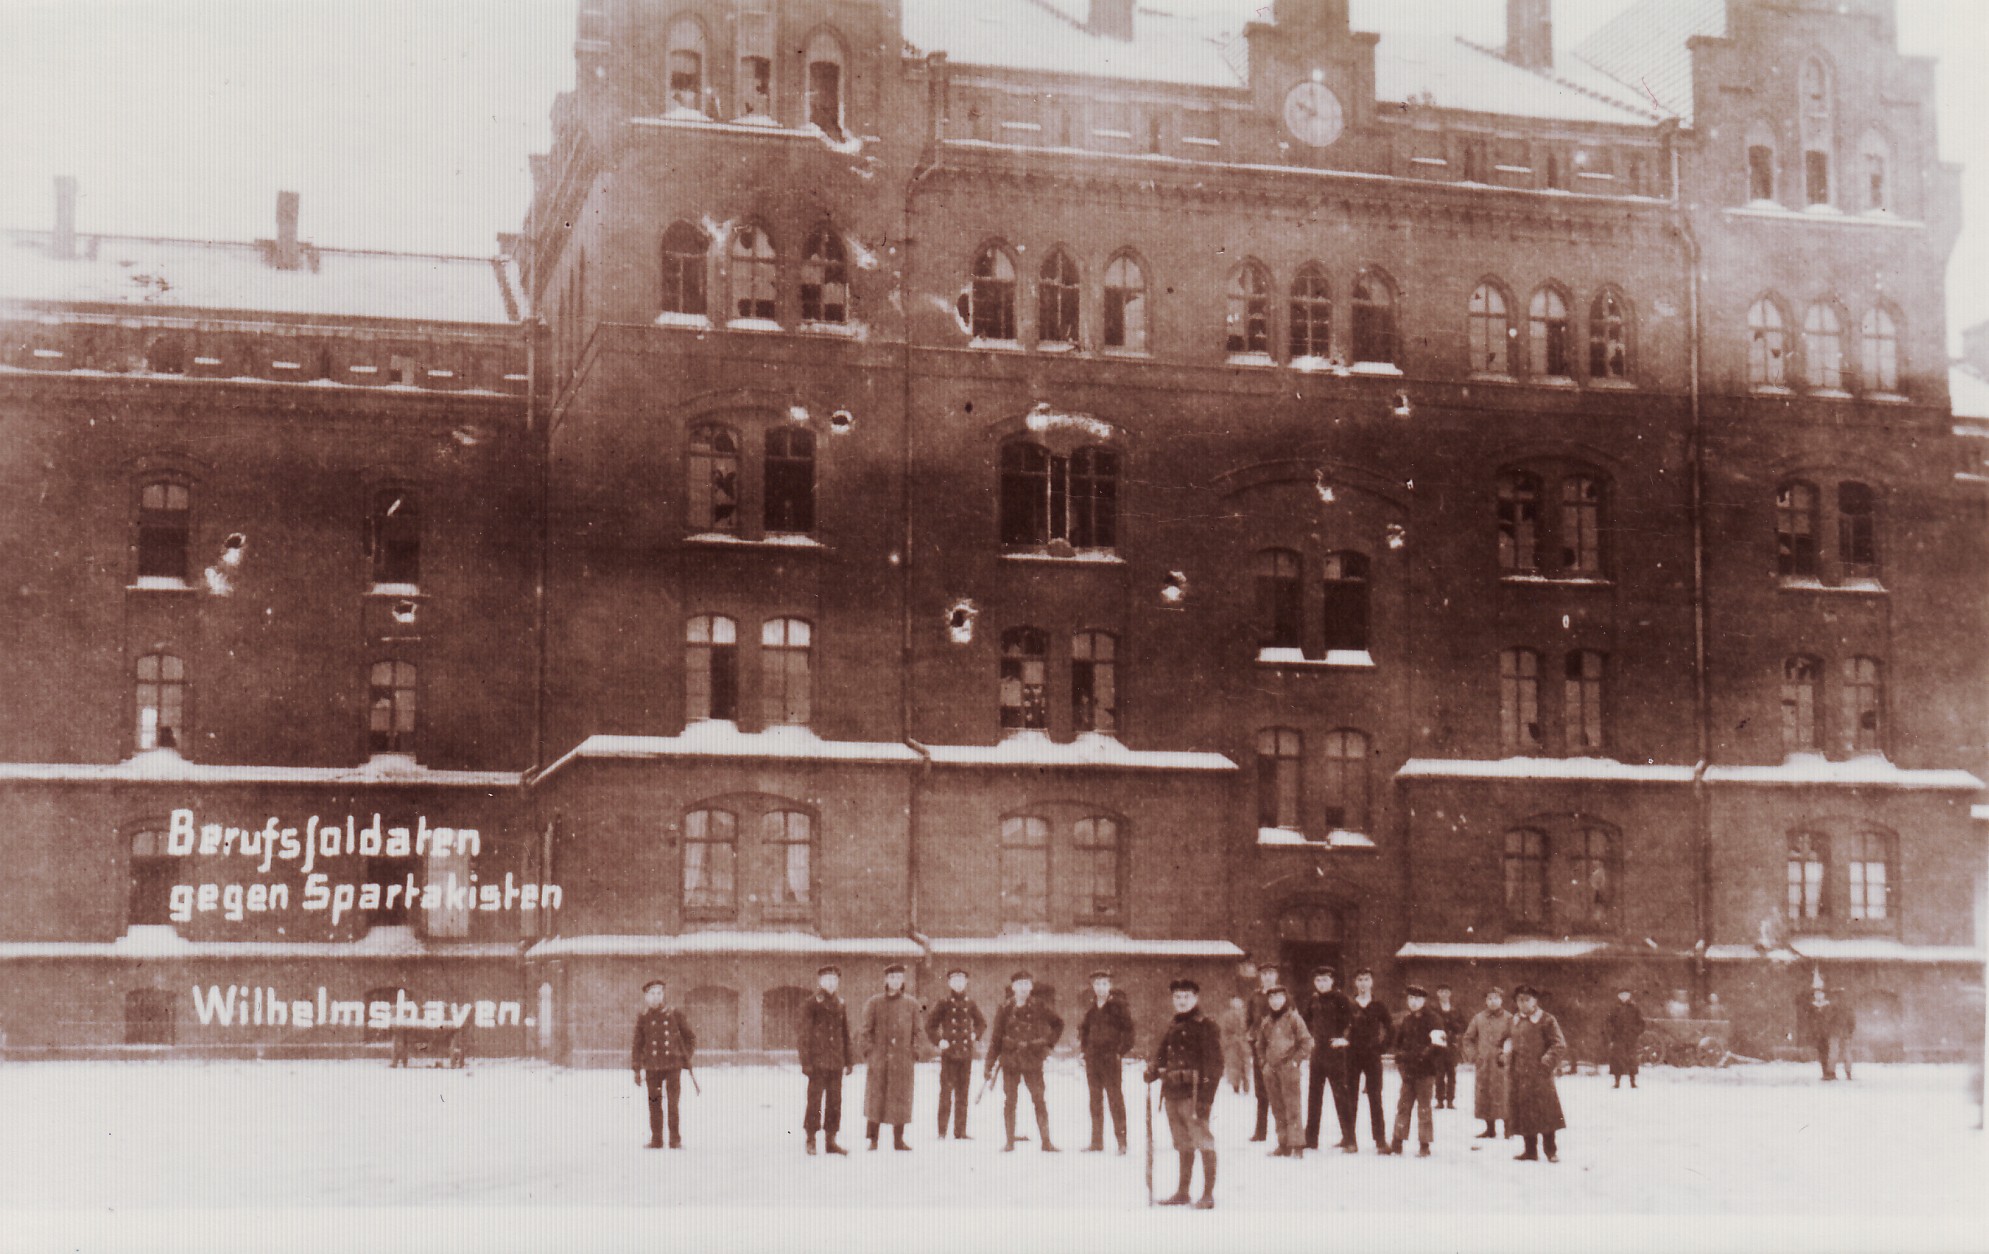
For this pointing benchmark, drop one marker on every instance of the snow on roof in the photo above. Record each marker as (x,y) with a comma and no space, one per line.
(1543,768)
(1504,950)
(796,943)
(1335,839)
(1848,949)
(168,274)
(1968,393)
(1452,73)
(1113,944)
(163,942)
(716,738)
(1049,37)
(1088,750)
(1644,49)
(1866,771)
(167,767)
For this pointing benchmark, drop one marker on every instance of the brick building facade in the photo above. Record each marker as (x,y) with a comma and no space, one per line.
(1050,486)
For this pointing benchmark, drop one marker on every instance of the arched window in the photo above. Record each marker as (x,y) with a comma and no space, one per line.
(1547,317)
(788,479)
(790,839)
(755,49)
(1519,702)
(1581,719)
(1823,347)
(1608,337)
(1280,753)
(989,302)
(1057,289)
(712,479)
(1818,130)
(1311,314)
(1795,530)
(1248,320)
(1490,331)
(825,84)
(1344,782)
(754,285)
(1802,691)
(393,536)
(1525,866)
(1094,682)
(1025,872)
(164,507)
(711,668)
(1344,612)
(780,1016)
(1857,529)
(1767,346)
(1048,498)
(1808,897)
(1595,870)
(1374,319)
(1025,664)
(1876,175)
(1099,870)
(1868,864)
(1278,599)
(1519,522)
(711,860)
(787,650)
(1881,351)
(161,702)
(686,250)
(1581,526)
(685,64)
(1125,305)
(390,707)
(1760,163)
(148,902)
(825,278)
(1864,705)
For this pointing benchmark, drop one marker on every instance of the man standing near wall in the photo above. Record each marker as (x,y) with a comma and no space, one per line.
(825,1058)
(1025,1031)
(1188,1064)
(1260,1006)
(1104,1036)
(890,1058)
(1368,1039)
(663,1047)
(954,1025)
(1328,1014)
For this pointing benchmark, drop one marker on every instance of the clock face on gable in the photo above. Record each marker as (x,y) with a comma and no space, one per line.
(1313,114)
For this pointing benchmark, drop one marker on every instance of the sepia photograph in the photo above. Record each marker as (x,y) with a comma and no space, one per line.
(993,625)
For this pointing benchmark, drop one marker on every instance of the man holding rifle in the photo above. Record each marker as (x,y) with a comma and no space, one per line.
(663,1047)
(1188,1064)
(1024,1032)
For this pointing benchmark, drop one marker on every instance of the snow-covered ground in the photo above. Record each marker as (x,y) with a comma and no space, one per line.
(510,1148)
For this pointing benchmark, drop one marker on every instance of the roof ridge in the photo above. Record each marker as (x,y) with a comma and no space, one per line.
(1061,16)
(43,233)
(1556,79)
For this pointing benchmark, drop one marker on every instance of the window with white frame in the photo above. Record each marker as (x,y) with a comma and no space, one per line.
(712,479)
(1881,351)
(1547,318)
(1248,318)
(1525,874)
(755,289)
(1057,290)
(1344,782)
(1807,902)
(1818,129)
(1025,872)
(163,529)
(1796,531)
(1098,870)
(1595,869)
(1864,705)
(1581,719)
(825,278)
(1802,704)
(1050,498)
(391,707)
(1868,863)
(1311,314)
(1608,336)
(1823,347)
(988,304)
(789,836)
(686,251)
(711,864)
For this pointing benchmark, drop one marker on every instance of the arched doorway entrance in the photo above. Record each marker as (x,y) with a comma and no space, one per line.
(1311,934)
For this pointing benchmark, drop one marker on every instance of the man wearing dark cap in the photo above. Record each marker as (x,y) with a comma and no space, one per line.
(1328,1015)
(1188,1064)
(1418,1038)
(1255,1009)
(1455,1021)
(1623,1036)
(1025,1030)
(890,1057)
(663,1047)
(1104,1037)
(1283,1044)
(954,1025)
(824,1046)
(1368,1038)
(1534,1053)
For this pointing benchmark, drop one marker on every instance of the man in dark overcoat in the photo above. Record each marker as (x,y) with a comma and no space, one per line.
(1534,1053)
(1188,1064)
(1455,1021)
(890,1058)
(1105,1037)
(1025,1030)
(1369,1036)
(1328,1014)
(1623,1037)
(1417,1039)
(826,1057)
(954,1026)
(664,1044)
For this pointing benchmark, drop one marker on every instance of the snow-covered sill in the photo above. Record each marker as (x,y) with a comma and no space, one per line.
(1488,376)
(1772,211)
(1347,659)
(1063,347)
(1089,750)
(1081,942)
(1614,385)
(1080,557)
(1551,380)
(685,321)
(393,590)
(1772,389)
(1809,583)
(840,330)
(1829,394)
(1889,398)
(1544,769)
(1336,839)
(774,540)
(166,766)
(1866,771)
(1125,354)
(1847,949)
(188,380)
(725,941)
(719,738)
(164,942)
(997,346)
(1512,949)
(1201,141)
(159,583)
(1559,581)
(753,324)
(1250,359)
(1383,369)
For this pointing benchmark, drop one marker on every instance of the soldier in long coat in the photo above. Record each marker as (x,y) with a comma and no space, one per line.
(663,1047)
(954,1025)
(1534,1053)
(1623,1036)
(1484,1047)
(890,1058)
(826,1057)
(1283,1044)
(1188,1064)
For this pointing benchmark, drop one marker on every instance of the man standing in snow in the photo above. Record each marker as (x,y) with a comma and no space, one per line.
(1454,1024)
(1188,1064)
(954,1025)
(825,1058)
(1534,1053)
(1417,1039)
(1368,1038)
(1843,1022)
(1623,1037)
(1328,1015)
(890,1057)
(1283,1042)
(1104,1037)
(663,1047)
(1024,1032)
(1259,1006)
(1484,1044)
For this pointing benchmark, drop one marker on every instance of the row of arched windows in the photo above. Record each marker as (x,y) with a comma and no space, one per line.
(1860,883)
(1869,187)
(1314,798)
(1565,876)
(752,276)
(693,82)
(1825,363)
(1860,685)
(1548,347)
(988,306)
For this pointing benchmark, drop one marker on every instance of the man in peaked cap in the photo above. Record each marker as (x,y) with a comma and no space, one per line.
(1025,1031)
(664,1044)
(954,1026)
(890,1057)
(826,1058)
(1105,1037)
(1188,1063)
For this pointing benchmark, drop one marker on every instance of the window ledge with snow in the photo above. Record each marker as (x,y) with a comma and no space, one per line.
(1056,346)
(1081,557)
(1614,384)
(160,583)
(1251,359)
(1830,394)
(1888,398)
(1558,581)
(1772,389)
(844,330)
(753,324)
(687,321)
(393,590)
(1861,586)
(1348,659)
(1492,376)
(772,540)
(996,346)
(1293,839)
(1385,369)
(1120,350)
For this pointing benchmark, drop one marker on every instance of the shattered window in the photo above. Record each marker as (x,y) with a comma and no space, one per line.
(1795,530)
(1057,292)
(1767,346)
(1581,526)
(711,668)
(1048,498)
(390,706)
(685,63)
(1519,522)
(1094,682)
(1608,337)
(1249,317)
(789,480)
(713,471)
(396,538)
(988,304)
(754,290)
(1025,704)
(161,702)
(825,278)
(1125,305)
(1519,702)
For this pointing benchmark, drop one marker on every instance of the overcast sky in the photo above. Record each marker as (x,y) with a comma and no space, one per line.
(406,123)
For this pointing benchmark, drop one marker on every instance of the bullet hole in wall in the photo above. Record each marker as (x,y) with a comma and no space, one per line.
(231,549)
(1174,590)
(960,621)
(1401,406)
(404,611)
(842,422)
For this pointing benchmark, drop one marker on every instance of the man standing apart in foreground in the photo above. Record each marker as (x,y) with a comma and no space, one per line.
(1188,1064)
(1104,1037)
(1025,1031)
(1283,1042)
(1418,1039)
(663,1047)
(1368,1039)
(825,1058)
(890,1056)
(1623,1035)
(1534,1052)
(954,1025)
(1328,1014)
(1485,1045)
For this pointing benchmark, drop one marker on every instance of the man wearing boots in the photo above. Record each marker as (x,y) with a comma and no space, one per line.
(1188,1064)
(1623,1037)
(1454,1024)
(1484,1045)
(1534,1053)
(1417,1039)
(890,1056)
(1024,1032)
(1104,1037)
(954,1025)
(1328,1015)
(1368,1037)
(825,1058)
(1283,1042)
(663,1047)
(1259,1006)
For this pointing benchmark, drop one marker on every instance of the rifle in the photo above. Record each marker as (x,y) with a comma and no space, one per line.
(692,1072)
(1149,1142)
(988,1083)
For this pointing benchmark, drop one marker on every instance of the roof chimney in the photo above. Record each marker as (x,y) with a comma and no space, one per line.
(1530,33)
(288,255)
(63,246)
(1111,18)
